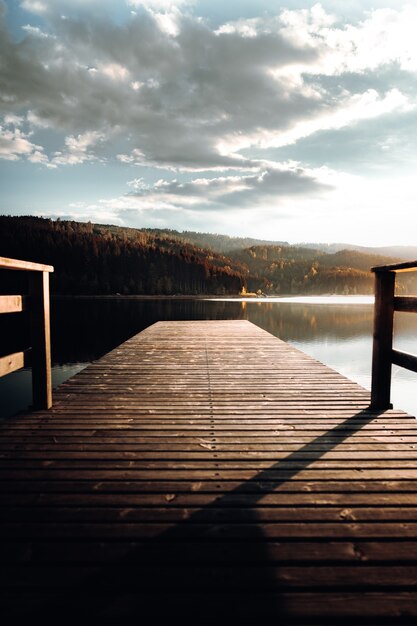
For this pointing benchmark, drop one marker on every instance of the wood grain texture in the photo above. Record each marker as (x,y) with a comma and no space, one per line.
(11,363)
(41,339)
(12,304)
(209,473)
(16,264)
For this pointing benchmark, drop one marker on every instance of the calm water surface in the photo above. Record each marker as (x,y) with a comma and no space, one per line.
(334,330)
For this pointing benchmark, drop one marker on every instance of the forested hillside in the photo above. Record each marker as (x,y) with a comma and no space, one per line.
(99,259)
(91,259)
(304,270)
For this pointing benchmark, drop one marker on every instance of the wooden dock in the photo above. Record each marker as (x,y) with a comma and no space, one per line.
(209,473)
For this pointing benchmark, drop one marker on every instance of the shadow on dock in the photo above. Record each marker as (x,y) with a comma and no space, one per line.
(204,571)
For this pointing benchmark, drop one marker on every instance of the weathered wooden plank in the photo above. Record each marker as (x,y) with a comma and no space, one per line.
(45,551)
(11,363)
(406,266)
(12,304)
(227,577)
(390,498)
(405,303)
(210,514)
(382,339)
(206,532)
(404,359)
(208,459)
(14,264)
(222,489)
(41,339)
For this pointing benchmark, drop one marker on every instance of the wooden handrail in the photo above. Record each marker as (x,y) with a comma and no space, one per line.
(383,355)
(406,266)
(37,303)
(15,264)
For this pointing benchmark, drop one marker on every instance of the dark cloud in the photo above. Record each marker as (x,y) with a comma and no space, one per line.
(228,192)
(176,97)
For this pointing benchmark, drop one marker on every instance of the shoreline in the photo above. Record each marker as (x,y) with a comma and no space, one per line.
(290,298)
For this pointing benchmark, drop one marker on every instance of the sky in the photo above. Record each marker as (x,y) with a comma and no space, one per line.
(292,121)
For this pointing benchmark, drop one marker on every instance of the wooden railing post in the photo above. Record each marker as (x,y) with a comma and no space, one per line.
(382,339)
(41,340)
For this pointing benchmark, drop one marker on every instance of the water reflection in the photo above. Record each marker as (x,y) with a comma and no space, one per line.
(336,333)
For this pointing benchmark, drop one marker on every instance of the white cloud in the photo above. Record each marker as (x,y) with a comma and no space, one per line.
(35,121)
(161,5)
(34,6)
(13,120)
(168,23)
(16,145)
(352,110)
(78,149)
(136,85)
(386,36)
(114,71)
(272,183)
(35,31)
(40,157)
(136,157)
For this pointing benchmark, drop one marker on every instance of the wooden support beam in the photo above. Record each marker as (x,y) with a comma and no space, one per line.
(382,340)
(11,363)
(41,340)
(404,359)
(407,304)
(12,304)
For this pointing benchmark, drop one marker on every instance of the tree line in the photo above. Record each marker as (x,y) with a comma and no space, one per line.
(95,259)
(91,259)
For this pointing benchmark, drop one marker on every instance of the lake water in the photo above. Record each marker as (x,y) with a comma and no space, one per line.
(335,330)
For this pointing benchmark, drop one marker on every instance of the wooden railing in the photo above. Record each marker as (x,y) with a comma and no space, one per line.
(37,304)
(383,355)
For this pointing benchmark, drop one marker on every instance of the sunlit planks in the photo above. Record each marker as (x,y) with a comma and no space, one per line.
(208,473)
(11,363)
(12,304)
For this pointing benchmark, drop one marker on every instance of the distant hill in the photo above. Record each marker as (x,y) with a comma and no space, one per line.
(216,242)
(291,269)
(406,253)
(107,259)
(226,244)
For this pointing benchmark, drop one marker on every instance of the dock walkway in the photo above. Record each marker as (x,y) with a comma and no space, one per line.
(209,473)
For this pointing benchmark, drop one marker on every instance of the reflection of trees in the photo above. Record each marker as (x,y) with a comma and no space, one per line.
(306,321)
(85,329)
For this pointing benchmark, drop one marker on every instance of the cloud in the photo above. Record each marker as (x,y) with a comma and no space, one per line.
(271,183)
(193,99)
(386,36)
(35,31)
(16,145)
(162,87)
(34,6)
(217,201)
(78,149)
(58,7)
(175,96)
(161,5)
(350,110)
